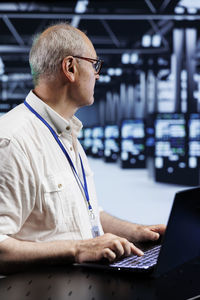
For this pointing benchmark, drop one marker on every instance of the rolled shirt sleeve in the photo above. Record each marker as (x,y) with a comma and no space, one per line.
(17,188)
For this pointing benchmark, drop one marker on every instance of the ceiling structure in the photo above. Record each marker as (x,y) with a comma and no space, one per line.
(115,28)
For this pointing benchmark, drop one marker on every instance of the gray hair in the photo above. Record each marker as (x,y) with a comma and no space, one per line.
(51,46)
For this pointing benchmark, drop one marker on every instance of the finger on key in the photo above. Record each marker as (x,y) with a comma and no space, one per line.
(136,250)
(118,248)
(127,247)
(109,254)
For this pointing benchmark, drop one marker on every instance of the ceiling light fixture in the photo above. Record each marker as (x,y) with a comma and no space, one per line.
(125,58)
(81,6)
(118,71)
(192,10)
(156,40)
(111,71)
(134,58)
(146,40)
(179,10)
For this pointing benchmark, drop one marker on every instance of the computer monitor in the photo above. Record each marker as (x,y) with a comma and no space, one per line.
(132,129)
(171,148)
(133,143)
(111,143)
(97,132)
(97,143)
(170,136)
(87,132)
(111,132)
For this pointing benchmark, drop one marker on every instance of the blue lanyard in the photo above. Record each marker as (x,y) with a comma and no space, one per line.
(84,186)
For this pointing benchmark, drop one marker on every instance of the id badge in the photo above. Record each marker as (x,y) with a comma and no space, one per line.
(95,231)
(95,227)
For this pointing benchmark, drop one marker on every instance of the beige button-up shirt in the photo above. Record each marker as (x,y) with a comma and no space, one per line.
(40,198)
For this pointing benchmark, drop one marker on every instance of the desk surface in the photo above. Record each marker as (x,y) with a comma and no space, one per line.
(64,282)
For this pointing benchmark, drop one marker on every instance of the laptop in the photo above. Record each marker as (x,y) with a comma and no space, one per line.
(180,244)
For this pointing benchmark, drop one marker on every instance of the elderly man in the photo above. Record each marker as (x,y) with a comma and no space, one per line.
(48,205)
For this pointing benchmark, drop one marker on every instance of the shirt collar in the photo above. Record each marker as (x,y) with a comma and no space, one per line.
(59,124)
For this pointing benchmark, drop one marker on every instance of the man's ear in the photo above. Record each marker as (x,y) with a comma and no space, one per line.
(68,68)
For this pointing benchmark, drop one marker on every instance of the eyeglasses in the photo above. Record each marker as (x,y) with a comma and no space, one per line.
(97,63)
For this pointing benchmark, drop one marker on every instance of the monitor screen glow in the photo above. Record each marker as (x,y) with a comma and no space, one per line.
(170,134)
(111,131)
(97,132)
(132,129)
(88,133)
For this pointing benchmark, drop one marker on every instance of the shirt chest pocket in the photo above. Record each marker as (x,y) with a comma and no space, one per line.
(60,202)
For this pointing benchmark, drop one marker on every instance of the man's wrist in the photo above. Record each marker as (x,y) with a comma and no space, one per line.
(77,249)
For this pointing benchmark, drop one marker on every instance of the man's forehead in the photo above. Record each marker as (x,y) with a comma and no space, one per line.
(89,46)
(91,51)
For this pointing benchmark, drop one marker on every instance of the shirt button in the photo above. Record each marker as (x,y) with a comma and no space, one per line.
(59,185)
(68,127)
(71,148)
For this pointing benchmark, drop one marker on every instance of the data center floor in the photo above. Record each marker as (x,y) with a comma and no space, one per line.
(131,194)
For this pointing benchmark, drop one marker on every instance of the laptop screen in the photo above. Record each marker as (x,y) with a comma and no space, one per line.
(181,242)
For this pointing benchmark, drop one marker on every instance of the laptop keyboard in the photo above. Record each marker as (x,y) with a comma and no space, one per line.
(148,260)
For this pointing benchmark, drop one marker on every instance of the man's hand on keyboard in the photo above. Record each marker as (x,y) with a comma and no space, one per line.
(144,233)
(132,232)
(107,246)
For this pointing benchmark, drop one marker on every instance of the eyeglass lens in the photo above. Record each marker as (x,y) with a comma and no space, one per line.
(97,66)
